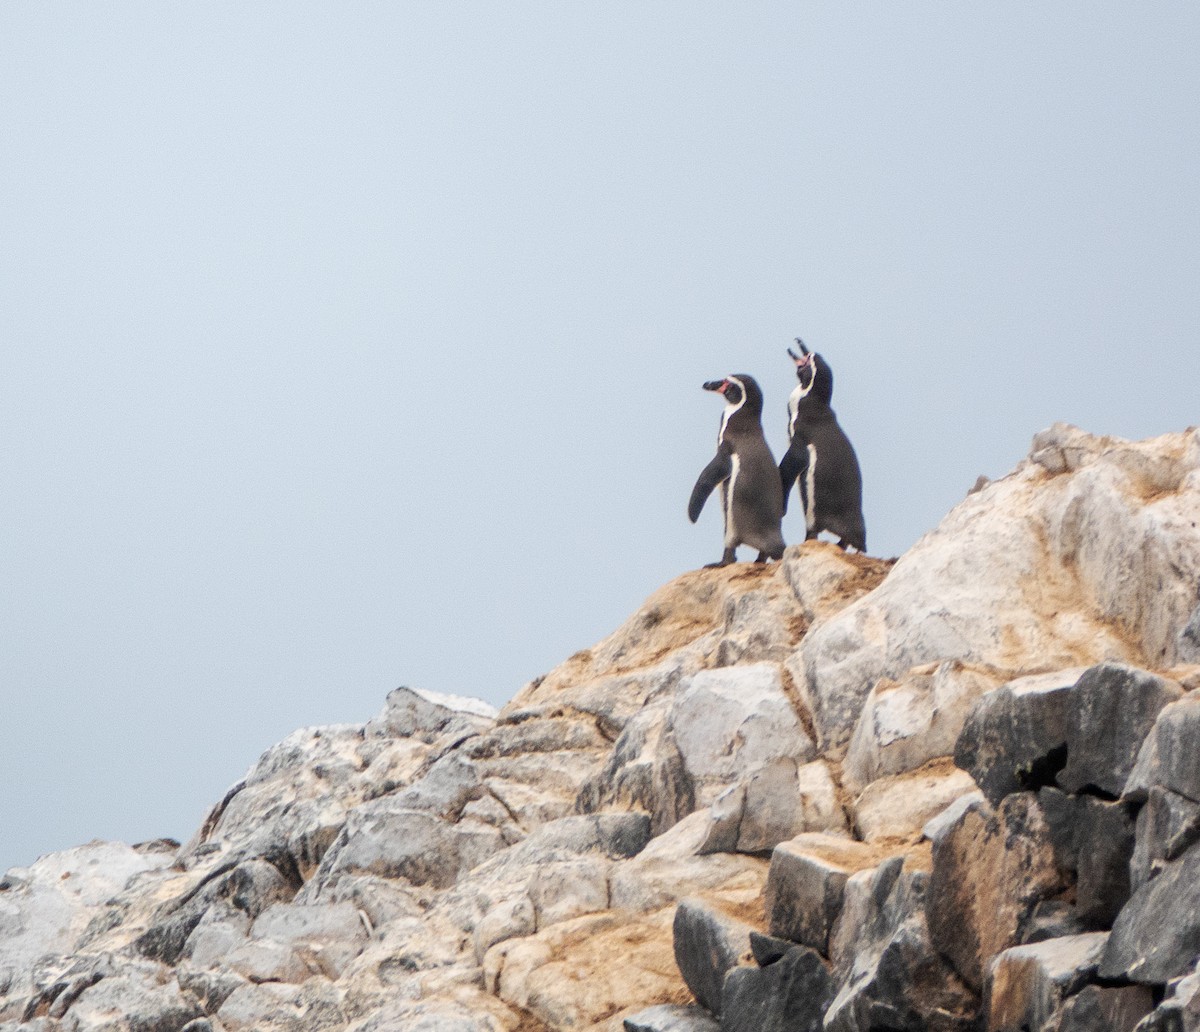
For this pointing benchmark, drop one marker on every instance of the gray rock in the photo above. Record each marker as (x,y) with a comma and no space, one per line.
(387,842)
(888,973)
(414,712)
(790,995)
(937,826)
(708,945)
(133,1002)
(767,949)
(1105,841)
(46,908)
(1015,736)
(1097,1009)
(250,887)
(326,937)
(1169,757)
(1179,1011)
(199,1025)
(805,884)
(668,1017)
(569,889)
(1094,840)
(272,1007)
(990,870)
(1109,713)
(643,771)
(1166,826)
(1156,937)
(450,784)
(1027,985)
(1189,639)
(776,802)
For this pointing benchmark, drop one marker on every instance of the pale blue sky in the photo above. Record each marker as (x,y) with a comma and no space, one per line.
(345,346)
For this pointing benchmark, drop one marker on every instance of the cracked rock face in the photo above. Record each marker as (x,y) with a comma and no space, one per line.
(757,749)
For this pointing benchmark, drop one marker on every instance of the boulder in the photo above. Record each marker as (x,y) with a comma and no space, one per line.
(1105,1009)
(1167,825)
(708,945)
(1109,713)
(135,1002)
(643,771)
(888,974)
(805,884)
(1027,985)
(384,840)
(429,716)
(326,937)
(1189,639)
(1169,757)
(990,870)
(1014,738)
(1156,937)
(1101,564)
(776,802)
(731,723)
(250,887)
(669,1017)
(906,723)
(1179,1010)
(899,807)
(46,908)
(1094,840)
(789,995)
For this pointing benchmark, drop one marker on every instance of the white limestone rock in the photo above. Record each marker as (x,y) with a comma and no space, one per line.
(906,723)
(45,908)
(900,807)
(730,723)
(1097,561)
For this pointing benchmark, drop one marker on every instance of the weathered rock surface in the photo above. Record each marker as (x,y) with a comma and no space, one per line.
(1156,936)
(789,995)
(990,871)
(1015,737)
(889,974)
(446,867)
(1027,985)
(1109,712)
(708,945)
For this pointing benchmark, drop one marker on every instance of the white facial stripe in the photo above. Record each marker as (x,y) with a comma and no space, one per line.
(730,408)
(810,483)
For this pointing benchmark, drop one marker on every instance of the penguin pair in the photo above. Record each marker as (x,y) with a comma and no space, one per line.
(820,459)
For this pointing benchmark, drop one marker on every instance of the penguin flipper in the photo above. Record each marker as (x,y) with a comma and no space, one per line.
(712,474)
(792,468)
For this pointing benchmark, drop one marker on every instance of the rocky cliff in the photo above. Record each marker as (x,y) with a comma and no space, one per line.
(958,791)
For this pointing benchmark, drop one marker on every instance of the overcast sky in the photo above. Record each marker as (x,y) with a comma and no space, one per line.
(345,346)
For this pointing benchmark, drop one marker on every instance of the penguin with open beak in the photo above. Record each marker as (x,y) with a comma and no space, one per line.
(820,459)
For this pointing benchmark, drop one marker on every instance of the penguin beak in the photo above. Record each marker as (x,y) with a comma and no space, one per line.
(716,385)
(804,356)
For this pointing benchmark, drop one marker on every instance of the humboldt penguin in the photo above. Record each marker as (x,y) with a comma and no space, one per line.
(751,494)
(820,457)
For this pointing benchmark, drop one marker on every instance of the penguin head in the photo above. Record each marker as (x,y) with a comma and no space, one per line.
(740,391)
(813,372)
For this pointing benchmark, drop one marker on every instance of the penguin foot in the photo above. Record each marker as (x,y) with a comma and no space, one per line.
(728,558)
(762,558)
